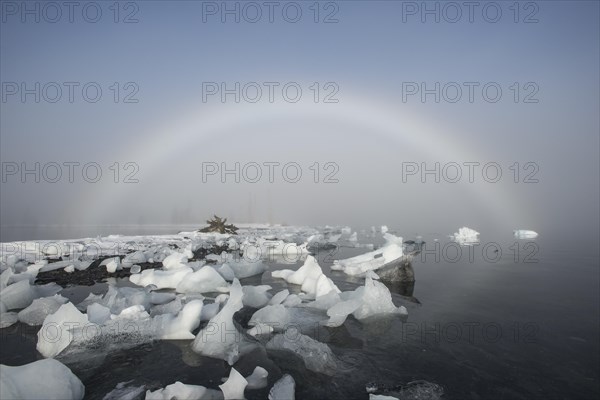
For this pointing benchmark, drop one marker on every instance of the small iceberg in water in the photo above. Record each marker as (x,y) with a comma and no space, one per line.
(525,234)
(466,236)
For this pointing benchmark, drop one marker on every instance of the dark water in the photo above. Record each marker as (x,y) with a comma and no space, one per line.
(507,325)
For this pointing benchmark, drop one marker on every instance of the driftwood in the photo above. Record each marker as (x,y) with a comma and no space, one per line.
(220,226)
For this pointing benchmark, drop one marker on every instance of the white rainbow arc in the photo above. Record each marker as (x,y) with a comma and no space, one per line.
(396,124)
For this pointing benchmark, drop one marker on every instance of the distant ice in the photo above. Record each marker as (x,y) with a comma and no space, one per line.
(525,234)
(466,236)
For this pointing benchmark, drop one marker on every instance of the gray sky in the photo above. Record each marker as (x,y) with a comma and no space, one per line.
(374,61)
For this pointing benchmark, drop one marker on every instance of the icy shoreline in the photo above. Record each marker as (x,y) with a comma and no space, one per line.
(175,295)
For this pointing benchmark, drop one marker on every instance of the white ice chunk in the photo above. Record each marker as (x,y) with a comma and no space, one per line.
(43,379)
(244,269)
(113,265)
(209,311)
(172,307)
(180,327)
(244,266)
(234,388)
(98,314)
(56,332)
(279,297)
(135,269)
(70,269)
(136,312)
(359,265)
(260,329)
(18,295)
(220,338)
(384,228)
(283,389)
(225,271)
(256,296)
(292,300)
(7,319)
(4,277)
(258,378)
(276,316)
(206,279)
(310,276)
(137,257)
(374,298)
(40,309)
(340,311)
(162,279)
(175,260)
